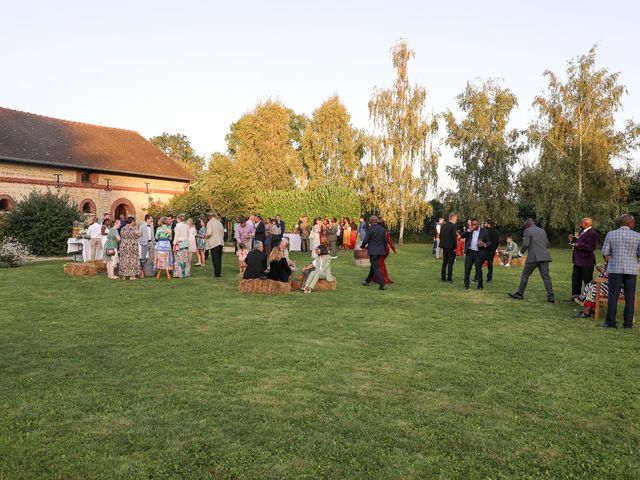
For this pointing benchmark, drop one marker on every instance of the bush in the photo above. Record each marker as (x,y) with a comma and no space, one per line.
(329,201)
(4,218)
(12,253)
(43,222)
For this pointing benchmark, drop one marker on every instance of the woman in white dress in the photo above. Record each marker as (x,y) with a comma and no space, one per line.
(314,236)
(192,240)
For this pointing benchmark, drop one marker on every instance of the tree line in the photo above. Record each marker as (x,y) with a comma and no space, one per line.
(583,162)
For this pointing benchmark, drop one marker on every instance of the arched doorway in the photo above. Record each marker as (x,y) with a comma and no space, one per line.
(122,206)
(6,203)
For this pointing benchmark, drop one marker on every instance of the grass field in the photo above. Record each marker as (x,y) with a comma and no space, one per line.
(190,379)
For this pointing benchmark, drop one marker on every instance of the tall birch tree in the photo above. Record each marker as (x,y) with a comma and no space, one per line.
(578,141)
(487,151)
(404,160)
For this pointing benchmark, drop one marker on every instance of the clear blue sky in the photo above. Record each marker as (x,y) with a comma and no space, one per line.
(194,67)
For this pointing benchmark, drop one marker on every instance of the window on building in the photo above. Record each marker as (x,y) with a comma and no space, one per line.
(6,203)
(85,177)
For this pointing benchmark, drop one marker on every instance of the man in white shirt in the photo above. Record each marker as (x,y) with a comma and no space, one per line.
(438,251)
(215,241)
(95,242)
(147,240)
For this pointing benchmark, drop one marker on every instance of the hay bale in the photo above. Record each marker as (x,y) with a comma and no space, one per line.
(80,269)
(269,287)
(101,265)
(518,261)
(324,285)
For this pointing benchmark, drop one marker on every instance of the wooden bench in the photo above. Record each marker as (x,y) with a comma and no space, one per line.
(601,298)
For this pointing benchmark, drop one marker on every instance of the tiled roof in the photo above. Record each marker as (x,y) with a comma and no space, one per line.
(29,138)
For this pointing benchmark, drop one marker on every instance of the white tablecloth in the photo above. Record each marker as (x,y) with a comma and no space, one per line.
(295,242)
(74,245)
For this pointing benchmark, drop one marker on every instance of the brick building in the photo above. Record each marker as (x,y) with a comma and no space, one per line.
(105,170)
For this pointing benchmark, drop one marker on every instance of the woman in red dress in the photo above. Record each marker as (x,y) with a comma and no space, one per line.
(381,261)
(459,246)
(354,235)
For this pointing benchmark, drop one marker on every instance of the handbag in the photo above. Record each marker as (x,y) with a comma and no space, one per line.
(183,244)
(110,252)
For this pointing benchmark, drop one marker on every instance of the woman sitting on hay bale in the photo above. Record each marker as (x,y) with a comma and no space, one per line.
(322,270)
(279,268)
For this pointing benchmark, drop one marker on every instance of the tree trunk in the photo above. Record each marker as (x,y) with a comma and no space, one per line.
(401,239)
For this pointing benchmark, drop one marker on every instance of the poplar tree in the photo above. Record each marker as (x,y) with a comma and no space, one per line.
(404,160)
(487,151)
(331,147)
(578,140)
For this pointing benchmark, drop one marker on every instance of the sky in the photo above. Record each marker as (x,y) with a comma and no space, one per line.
(194,67)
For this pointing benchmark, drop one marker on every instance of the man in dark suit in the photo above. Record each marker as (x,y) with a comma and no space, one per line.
(260,234)
(535,240)
(494,238)
(256,262)
(583,257)
(376,242)
(475,246)
(448,243)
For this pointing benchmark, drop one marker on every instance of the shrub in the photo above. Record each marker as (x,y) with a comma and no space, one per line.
(43,222)
(12,253)
(330,201)
(4,218)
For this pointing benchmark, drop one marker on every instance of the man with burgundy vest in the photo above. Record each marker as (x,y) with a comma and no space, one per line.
(583,258)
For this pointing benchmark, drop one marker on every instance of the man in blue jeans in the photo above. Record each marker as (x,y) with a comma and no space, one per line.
(621,251)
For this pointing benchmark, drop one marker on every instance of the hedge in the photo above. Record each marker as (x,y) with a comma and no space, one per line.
(331,201)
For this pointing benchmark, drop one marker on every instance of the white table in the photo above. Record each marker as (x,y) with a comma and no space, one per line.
(74,245)
(295,242)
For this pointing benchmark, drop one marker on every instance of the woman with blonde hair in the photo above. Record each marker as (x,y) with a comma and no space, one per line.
(279,268)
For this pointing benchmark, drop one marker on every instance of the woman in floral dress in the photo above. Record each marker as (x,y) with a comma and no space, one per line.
(201,242)
(111,248)
(163,257)
(181,263)
(129,265)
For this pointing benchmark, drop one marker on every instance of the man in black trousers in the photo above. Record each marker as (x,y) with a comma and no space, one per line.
(375,241)
(494,238)
(475,247)
(448,243)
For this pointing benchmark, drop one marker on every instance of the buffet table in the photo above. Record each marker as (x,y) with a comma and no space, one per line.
(295,242)
(74,246)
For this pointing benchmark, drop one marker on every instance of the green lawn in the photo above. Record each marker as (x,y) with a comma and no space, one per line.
(190,379)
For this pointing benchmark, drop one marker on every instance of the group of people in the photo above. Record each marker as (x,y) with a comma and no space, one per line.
(335,234)
(621,251)
(167,247)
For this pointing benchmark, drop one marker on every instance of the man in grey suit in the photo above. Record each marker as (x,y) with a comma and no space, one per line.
(535,240)
(147,240)
(621,250)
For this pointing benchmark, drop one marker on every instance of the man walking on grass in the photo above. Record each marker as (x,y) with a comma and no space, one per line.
(376,241)
(448,243)
(621,251)
(535,240)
